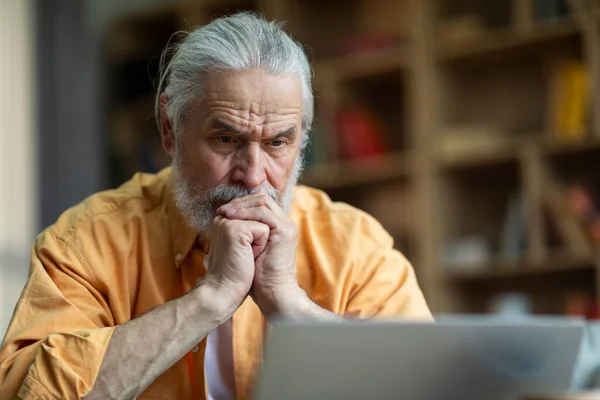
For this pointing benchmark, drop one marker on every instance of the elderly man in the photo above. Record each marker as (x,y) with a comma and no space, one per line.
(163,288)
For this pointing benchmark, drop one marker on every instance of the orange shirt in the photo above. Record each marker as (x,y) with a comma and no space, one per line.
(124,252)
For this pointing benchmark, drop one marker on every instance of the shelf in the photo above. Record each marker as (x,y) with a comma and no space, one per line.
(571,148)
(511,152)
(419,88)
(502,270)
(363,65)
(507,39)
(345,174)
(489,157)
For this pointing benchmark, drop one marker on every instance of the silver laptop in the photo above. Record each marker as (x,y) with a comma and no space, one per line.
(455,358)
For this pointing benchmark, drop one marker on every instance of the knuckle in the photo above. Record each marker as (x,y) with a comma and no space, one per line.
(265,228)
(230,227)
(223,226)
(263,198)
(217,221)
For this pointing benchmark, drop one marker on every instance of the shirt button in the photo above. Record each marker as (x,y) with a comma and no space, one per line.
(195,349)
(178,257)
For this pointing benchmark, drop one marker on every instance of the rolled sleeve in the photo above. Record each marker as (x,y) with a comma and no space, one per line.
(60,329)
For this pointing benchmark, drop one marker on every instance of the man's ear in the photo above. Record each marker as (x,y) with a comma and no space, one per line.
(167,135)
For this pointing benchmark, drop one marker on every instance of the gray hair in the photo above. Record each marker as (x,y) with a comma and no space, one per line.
(234,43)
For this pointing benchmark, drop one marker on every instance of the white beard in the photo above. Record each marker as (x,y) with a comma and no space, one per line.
(197,205)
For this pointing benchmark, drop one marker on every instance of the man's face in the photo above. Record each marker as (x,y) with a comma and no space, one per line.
(242,136)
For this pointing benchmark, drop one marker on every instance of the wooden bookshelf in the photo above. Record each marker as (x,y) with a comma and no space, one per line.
(508,39)
(466,160)
(364,66)
(451,64)
(564,264)
(585,146)
(512,152)
(348,174)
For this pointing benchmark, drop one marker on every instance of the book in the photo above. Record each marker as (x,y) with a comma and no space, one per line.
(569,101)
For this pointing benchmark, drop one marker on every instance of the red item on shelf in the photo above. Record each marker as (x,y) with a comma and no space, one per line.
(368,43)
(580,201)
(582,305)
(594,312)
(359,134)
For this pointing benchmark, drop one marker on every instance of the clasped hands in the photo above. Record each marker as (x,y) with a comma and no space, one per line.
(253,252)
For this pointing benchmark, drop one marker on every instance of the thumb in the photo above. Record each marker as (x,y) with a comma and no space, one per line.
(260,236)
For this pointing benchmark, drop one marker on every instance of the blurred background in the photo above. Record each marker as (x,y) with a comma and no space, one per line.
(470,129)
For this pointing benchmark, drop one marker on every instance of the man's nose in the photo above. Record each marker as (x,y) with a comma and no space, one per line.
(250,166)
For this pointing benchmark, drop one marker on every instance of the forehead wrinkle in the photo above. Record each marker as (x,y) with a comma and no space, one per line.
(250,108)
(245,118)
(241,126)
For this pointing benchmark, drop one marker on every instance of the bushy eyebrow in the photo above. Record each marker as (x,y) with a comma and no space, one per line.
(290,132)
(220,124)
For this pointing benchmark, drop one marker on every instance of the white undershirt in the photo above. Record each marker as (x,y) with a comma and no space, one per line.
(218,363)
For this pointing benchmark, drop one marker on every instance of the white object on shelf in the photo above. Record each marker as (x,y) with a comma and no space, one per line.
(467,253)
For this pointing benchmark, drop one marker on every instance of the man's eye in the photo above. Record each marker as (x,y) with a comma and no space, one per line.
(277,143)
(226,139)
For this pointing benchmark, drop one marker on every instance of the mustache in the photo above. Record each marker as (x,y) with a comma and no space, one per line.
(226,193)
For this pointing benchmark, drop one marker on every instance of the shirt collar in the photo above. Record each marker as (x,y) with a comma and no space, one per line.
(183,237)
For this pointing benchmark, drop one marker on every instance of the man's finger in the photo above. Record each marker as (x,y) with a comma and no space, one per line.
(260,235)
(258,213)
(255,200)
